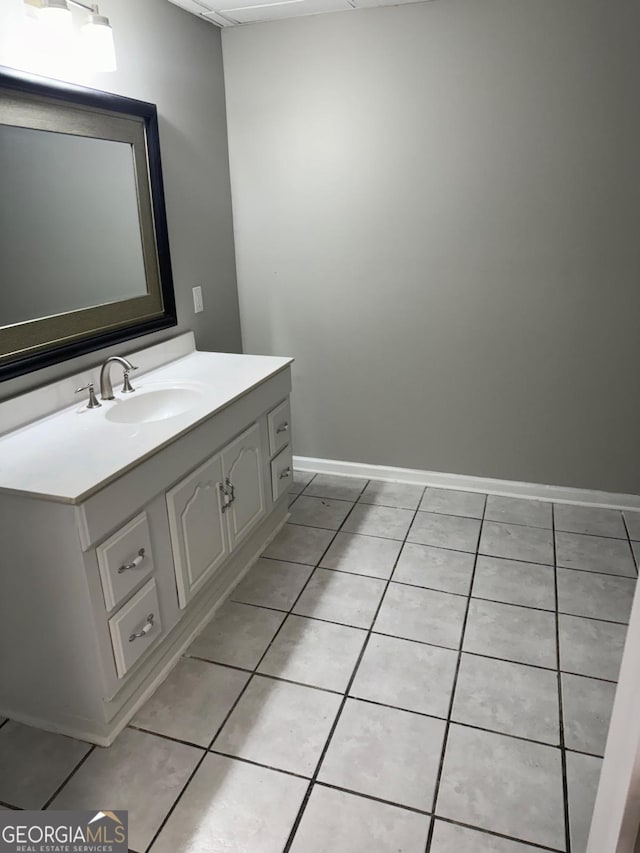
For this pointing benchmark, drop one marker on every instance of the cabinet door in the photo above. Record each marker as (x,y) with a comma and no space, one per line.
(198,537)
(242,464)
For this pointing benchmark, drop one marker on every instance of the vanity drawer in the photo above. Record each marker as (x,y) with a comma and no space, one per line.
(281,473)
(135,628)
(125,559)
(279,423)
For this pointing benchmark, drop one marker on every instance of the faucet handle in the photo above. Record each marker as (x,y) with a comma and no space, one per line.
(93,402)
(127,387)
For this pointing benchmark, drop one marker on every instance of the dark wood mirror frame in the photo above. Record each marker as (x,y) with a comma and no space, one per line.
(35,344)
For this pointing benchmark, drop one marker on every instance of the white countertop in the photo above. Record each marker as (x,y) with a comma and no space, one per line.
(71,453)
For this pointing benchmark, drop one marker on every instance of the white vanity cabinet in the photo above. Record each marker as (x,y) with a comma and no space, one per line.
(100,595)
(212,510)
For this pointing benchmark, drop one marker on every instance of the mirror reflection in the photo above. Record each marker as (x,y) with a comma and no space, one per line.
(69,227)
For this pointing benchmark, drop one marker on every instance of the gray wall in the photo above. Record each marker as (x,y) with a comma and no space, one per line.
(169,57)
(436,212)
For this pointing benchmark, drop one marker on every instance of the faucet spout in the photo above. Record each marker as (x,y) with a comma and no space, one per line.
(106,387)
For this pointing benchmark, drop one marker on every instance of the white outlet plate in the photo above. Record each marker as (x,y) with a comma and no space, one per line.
(198,304)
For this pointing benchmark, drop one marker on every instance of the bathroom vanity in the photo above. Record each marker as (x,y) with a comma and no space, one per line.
(123,527)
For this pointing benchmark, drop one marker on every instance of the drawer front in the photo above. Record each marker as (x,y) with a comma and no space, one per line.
(125,559)
(279,423)
(281,473)
(135,628)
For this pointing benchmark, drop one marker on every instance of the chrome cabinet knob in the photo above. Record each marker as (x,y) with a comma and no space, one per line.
(285,473)
(283,427)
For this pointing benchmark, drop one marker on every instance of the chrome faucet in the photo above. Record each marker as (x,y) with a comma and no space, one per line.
(106,388)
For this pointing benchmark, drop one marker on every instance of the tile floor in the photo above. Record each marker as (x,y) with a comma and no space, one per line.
(405,669)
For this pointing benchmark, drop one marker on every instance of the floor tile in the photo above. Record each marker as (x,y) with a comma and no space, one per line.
(453,502)
(272,583)
(583,775)
(281,725)
(449,838)
(237,635)
(299,544)
(407,675)
(141,773)
(192,702)
(420,614)
(511,633)
(319,512)
(436,568)
(633,524)
(401,495)
(334,486)
(301,480)
(513,582)
(515,542)
(384,521)
(340,597)
(595,595)
(385,753)
(519,511)
(362,555)
(586,708)
(589,519)
(315,653)
(503,784)
(345,823)
(591,647)
(233,807)
(508,698)
(445,531)
(595,554)
(35,763)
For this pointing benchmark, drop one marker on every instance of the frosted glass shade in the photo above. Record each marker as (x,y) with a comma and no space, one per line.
(97,37)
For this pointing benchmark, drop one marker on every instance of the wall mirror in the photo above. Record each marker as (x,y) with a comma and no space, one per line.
(84,250)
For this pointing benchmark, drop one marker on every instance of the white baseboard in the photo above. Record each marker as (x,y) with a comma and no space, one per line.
(506,488)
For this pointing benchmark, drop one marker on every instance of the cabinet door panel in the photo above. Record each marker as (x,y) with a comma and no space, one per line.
(198,538)
(242,463)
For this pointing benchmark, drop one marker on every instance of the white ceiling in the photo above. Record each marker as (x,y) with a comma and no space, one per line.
(228,13)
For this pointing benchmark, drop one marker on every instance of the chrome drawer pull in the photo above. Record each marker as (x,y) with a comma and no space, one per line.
(133,564)
(285,473)
(283,427)
(143,631)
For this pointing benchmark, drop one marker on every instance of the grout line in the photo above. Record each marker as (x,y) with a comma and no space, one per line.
(11,807)
(563,757)
(630,540)
(354,697)
(241,758)
(287,613)
(407,808)
(447,729)
(492,834)
(336,721)
(89,752)
(136,728)
(446,592)
(458,551)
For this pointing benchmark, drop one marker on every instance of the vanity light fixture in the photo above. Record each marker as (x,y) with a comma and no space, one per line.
(96,32)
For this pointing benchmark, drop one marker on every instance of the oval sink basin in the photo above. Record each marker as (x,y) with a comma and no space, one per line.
(147,406)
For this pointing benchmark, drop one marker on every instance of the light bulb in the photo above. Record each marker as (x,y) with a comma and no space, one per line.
(97,37)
